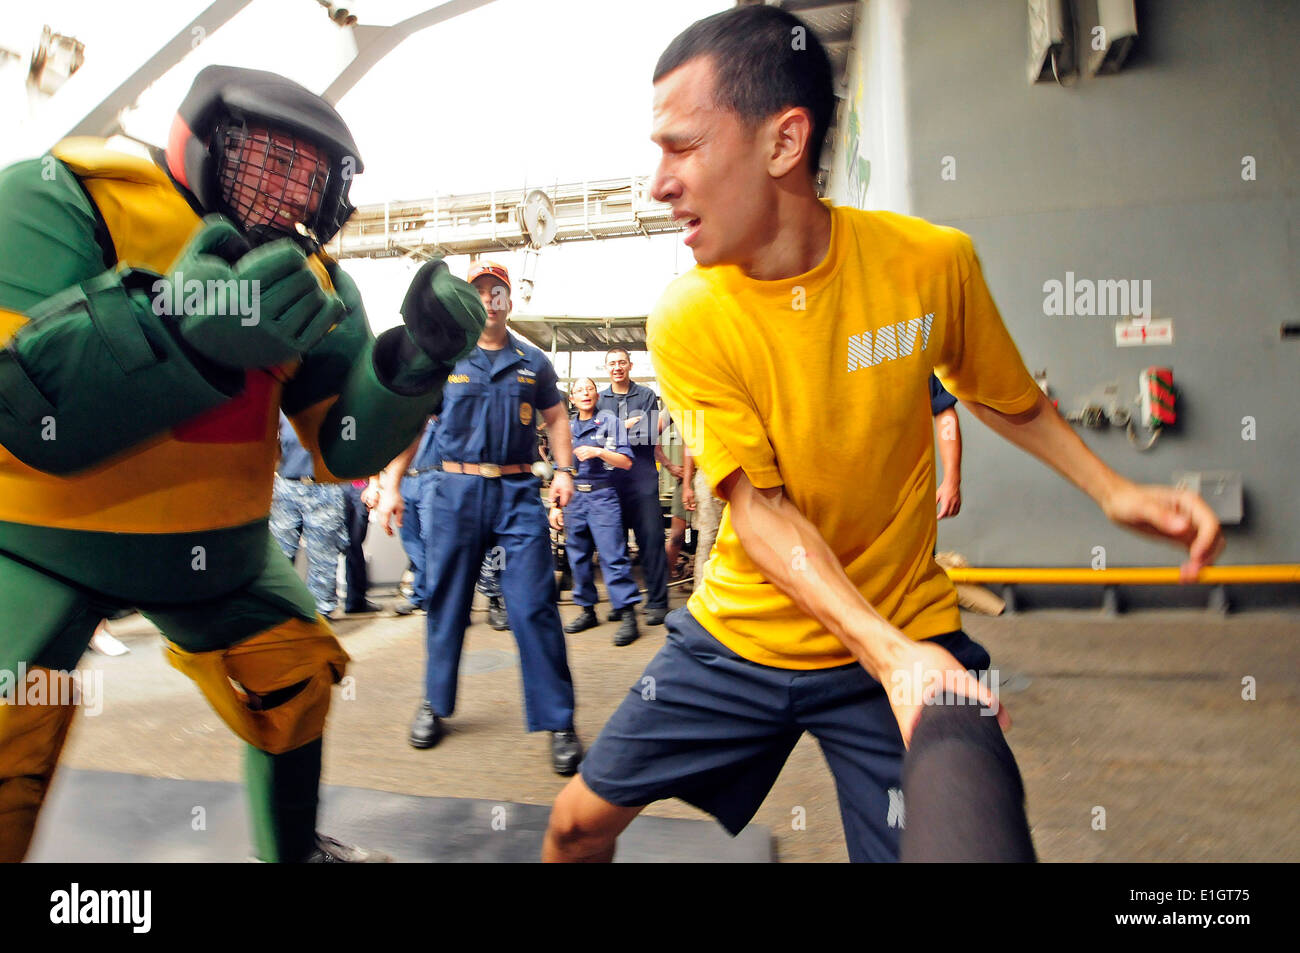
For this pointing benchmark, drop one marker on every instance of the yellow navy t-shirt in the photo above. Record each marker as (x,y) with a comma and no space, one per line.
(820,383)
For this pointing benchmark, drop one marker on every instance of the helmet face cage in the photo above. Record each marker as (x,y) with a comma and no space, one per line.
(272,182)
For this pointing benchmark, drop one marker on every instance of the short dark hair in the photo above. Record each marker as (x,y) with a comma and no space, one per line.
(760,68)
(619,349)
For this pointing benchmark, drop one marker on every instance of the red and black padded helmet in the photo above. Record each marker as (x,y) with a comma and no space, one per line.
(220,106)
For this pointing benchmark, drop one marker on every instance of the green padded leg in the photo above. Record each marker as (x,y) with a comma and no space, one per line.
(283,793)
(42,620)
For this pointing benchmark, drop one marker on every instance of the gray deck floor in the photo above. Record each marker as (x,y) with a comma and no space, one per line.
(1141,716)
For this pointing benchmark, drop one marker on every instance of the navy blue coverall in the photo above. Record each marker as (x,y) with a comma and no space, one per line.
(488,416)
(593,519)
(638,488)
(417,487)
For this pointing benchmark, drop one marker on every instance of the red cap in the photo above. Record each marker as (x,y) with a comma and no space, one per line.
(482,268)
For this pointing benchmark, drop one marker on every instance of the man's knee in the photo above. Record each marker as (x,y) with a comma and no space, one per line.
(573,835)
(583,825)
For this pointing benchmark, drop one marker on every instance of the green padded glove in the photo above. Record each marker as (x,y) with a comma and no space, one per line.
(443,314)
(253,308)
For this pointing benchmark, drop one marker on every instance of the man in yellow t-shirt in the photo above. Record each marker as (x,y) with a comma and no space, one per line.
(796,358)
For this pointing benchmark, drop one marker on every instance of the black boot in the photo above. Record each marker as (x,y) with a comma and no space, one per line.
(566,752)
(582,622)
(627,631)
(426,729)
(497,614)
(655,615)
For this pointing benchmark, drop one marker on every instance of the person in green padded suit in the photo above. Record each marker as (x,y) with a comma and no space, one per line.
(156,313)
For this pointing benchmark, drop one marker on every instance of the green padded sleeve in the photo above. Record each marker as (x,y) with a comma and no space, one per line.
(370,423)
(95,372)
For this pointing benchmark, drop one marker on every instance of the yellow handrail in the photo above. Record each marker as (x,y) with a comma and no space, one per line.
(1154,576)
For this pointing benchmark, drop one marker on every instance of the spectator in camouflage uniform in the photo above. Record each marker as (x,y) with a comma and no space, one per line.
(303,509)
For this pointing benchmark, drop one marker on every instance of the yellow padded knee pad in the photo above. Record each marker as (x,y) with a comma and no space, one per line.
(31,737)
(250,684)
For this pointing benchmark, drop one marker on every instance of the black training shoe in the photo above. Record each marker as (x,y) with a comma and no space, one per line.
(582,622)
(655,616)
(616,615)
(566,752)
(365,607)
(426,729)
(497,614)
(330,851)
(627,632)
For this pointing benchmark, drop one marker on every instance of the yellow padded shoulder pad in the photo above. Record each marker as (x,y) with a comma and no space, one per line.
(90,157)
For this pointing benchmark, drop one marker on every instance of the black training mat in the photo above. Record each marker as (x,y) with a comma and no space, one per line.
(104,816)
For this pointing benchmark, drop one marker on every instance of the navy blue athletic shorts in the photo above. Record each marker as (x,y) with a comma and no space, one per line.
(707,726)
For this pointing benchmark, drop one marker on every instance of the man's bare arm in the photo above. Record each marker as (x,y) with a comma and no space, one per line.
(390,508)
(947,431)
(560,439)
(1177,516)
(688,481)
(791,554)
(392,474)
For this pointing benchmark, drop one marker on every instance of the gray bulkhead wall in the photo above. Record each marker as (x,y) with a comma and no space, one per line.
(1136,175)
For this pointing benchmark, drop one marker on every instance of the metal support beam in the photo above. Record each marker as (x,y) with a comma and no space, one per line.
(376,42)
(102,119)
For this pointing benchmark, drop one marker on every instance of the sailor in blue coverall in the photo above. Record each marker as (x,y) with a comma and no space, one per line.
(638,488)
(487,496)
(416,488)
(416,474)
(594,519)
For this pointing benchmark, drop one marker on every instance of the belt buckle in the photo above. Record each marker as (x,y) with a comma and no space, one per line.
(584,487)
(489,469)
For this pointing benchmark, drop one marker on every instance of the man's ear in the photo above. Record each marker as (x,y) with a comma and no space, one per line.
(790,137)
